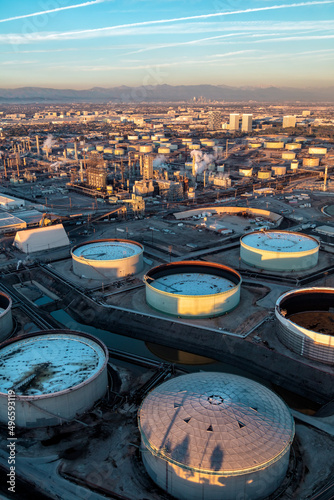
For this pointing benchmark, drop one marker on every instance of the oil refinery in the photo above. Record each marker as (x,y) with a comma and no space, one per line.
(166,299)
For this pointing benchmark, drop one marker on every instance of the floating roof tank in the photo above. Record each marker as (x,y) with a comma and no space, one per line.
(193,289)
(6,320)
(304,322)
(107,259)
(279,250)
(56,375)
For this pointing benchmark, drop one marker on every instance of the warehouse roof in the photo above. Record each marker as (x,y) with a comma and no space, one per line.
(43,238)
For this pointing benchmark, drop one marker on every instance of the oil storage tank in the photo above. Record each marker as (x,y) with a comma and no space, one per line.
(213,436)
(304,322)
(56,375)
(6,320)
(109,258)
(193,289)
(279,250)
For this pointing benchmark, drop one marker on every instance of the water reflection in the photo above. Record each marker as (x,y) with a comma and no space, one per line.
(176,356)
(187,361)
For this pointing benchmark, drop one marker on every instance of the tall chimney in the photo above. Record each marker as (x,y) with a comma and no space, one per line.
(37,144)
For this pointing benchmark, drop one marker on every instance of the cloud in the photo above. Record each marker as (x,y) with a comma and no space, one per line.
(123,28)
(50,11)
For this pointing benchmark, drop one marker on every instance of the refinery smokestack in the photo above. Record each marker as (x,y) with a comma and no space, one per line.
(37,144)
(325,178)
(75,150)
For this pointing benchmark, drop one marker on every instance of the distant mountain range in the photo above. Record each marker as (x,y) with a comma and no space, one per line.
(166,93)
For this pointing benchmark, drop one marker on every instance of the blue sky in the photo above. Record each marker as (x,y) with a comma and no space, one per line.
(74,44)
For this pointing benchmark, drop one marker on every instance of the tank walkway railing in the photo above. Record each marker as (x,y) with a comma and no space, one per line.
(61,278)
(135,358)
(29,310)
(295,281)
(152,382)
(325,493)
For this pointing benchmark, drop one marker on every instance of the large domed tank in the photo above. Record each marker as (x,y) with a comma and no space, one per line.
(213,436)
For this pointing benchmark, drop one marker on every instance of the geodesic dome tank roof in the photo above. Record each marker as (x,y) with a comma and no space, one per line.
(216,422)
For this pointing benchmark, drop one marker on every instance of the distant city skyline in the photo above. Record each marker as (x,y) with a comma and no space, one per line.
(79,45)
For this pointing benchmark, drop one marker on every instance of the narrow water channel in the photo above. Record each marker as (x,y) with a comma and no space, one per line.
(185,360)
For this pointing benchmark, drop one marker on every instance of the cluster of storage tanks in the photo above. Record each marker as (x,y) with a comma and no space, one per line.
(204,435)
(146,144)
(289,152)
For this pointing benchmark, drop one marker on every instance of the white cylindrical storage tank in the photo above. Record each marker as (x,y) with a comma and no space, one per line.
(311,162)
(146,137)
(274,145)
(279,170)
(163,139)
(187,140)
(133,137)
(294,165)
(246,171)
(163,150)
(289,155)
(264,174)
(107,259)
(108,150)
(100,148)
(56,375)
(279,250)
(304,322)
(293,145)
(209,143)
(119,151)
(214,436)
(254,145)
(146,148)
(317,151)
(173,147)
(193,289)
(6,320)
(195,146)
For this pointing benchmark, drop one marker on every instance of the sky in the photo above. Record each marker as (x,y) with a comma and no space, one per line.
(107,43)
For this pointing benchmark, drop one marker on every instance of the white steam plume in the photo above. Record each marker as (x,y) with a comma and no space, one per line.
(49,142)
(159,162)
(202,160)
